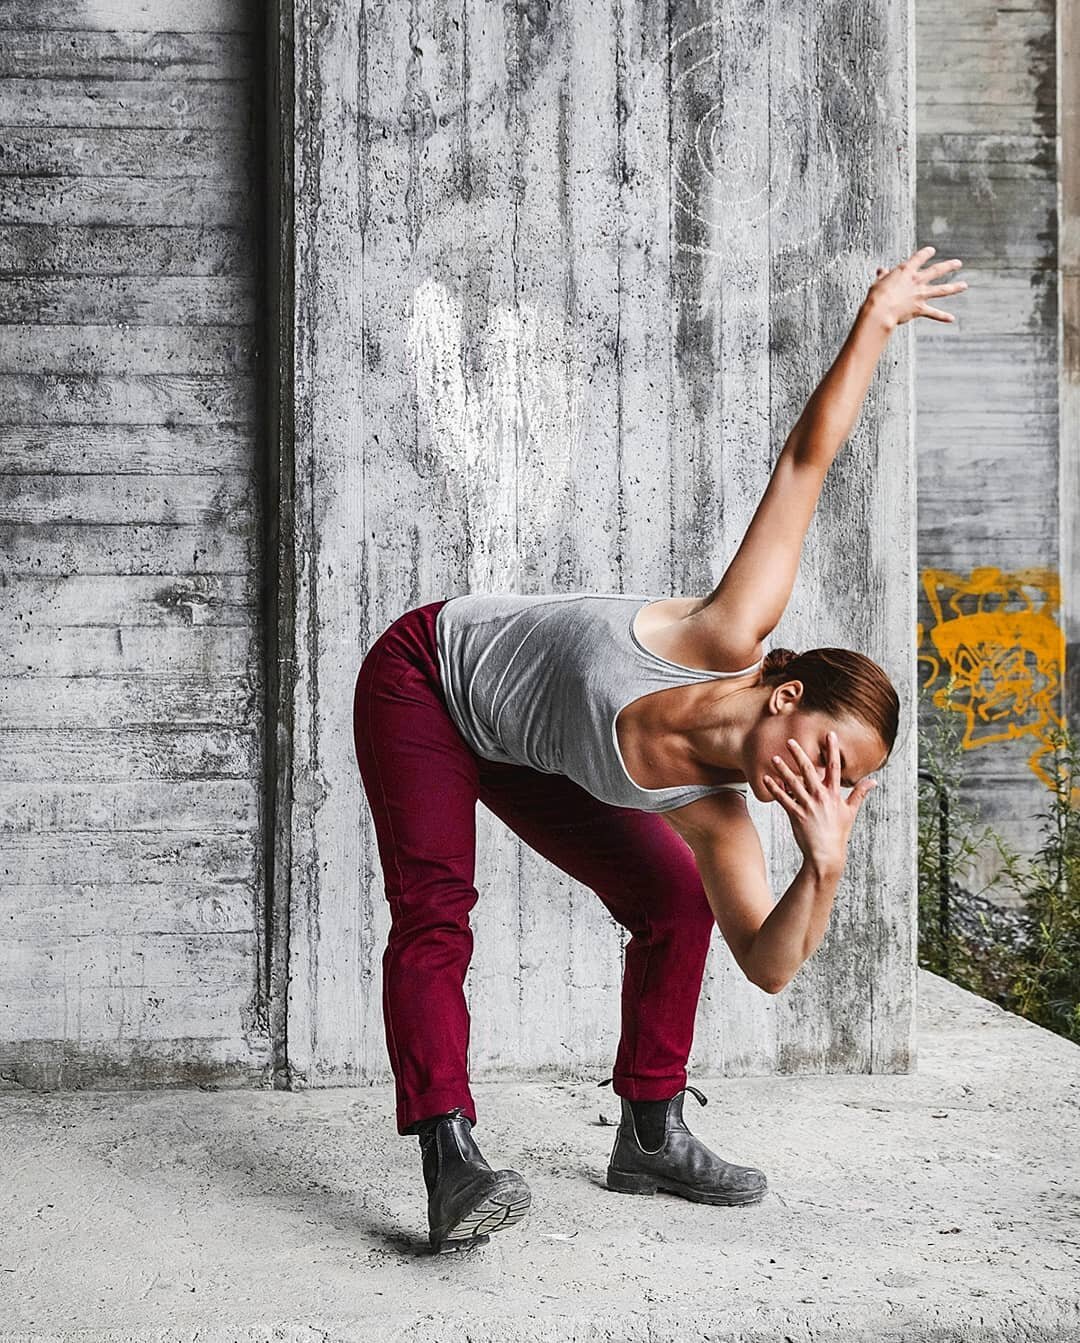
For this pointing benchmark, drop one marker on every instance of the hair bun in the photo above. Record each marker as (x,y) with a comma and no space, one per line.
(776,659)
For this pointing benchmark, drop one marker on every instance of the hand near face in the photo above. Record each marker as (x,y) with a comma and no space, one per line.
(821,817)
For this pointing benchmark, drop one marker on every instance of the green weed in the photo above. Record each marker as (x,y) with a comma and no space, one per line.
(1025,958)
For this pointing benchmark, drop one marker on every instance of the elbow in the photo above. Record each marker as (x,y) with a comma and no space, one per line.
(767,966)
(766,981)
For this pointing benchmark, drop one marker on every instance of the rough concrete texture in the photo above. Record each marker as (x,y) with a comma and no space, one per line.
(938,1205)
(561,278)
(132,770)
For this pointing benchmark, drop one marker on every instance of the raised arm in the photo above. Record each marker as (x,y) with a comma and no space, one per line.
(750,598)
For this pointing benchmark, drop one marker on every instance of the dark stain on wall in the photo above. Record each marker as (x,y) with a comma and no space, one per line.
(535,34)
(1041,51)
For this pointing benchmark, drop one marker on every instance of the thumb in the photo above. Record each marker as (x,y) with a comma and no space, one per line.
(861,791)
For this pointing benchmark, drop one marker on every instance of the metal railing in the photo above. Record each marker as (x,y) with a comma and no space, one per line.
(943,866)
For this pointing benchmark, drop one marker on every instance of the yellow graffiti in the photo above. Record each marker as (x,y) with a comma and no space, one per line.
(998,641)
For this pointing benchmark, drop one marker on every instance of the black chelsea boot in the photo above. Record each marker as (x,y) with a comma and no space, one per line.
(681,1165)
(467,1200)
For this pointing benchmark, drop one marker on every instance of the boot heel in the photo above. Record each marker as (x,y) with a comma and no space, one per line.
(625,1183)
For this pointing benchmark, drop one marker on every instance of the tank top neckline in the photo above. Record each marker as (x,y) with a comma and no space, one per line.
(678,666)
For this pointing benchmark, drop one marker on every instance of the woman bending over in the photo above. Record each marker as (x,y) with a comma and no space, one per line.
(619,736)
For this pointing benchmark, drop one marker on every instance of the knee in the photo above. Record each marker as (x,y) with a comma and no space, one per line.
(432,908)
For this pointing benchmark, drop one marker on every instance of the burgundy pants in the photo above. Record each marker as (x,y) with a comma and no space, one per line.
(422,782)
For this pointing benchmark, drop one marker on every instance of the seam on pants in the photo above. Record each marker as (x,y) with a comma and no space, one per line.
(643,904)
(390,829)
(641,994)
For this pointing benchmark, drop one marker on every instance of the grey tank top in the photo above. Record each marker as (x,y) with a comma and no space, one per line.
(538,680)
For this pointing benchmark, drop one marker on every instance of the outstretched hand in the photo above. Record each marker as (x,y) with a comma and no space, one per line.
(901,293)
(821,818)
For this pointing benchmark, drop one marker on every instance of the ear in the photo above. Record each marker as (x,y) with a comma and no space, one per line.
(786,697)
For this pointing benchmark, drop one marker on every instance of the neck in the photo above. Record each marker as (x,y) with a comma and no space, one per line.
(716,728)
(705,730)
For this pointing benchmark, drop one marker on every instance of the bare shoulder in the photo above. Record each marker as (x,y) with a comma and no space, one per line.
(694,632)
(711,623)
(718,816)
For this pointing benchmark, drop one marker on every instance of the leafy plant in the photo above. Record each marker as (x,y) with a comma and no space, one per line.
(1026,959)
(963,934)
(1047,982)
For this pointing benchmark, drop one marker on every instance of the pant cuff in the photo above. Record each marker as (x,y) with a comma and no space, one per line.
(648,1088)
(438,1101)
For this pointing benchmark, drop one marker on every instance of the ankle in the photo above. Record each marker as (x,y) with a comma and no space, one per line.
(650,1122)
(424,1128)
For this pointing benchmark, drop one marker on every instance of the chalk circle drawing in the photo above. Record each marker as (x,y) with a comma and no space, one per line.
(743,159)
(504,413)
(997,639)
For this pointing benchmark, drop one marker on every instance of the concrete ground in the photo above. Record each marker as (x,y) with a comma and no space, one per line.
(939,1205)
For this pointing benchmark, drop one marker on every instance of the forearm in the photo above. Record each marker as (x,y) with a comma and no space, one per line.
(794,929)
(831,412)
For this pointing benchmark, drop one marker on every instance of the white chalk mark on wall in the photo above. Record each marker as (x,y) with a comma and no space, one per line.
(504,409)
(725,173)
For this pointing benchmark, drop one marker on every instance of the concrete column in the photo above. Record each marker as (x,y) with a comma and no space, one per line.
(557,281)
(1068,158)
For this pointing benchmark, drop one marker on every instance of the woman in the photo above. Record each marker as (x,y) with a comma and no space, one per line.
(618,737)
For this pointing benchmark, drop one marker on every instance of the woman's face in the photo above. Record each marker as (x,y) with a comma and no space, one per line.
(861,749)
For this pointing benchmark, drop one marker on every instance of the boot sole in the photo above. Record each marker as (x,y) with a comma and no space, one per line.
(623,1182)
(499,1209)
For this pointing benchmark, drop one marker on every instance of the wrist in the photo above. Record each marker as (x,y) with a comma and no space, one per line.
(823,870)
(875,314)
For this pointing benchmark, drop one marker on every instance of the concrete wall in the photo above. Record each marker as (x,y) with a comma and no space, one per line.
(130,695)
(564,276)
(997,477)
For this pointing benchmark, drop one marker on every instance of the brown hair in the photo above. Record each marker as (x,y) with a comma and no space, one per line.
(838,682)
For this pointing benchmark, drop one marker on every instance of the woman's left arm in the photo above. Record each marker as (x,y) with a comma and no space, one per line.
(750,598)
